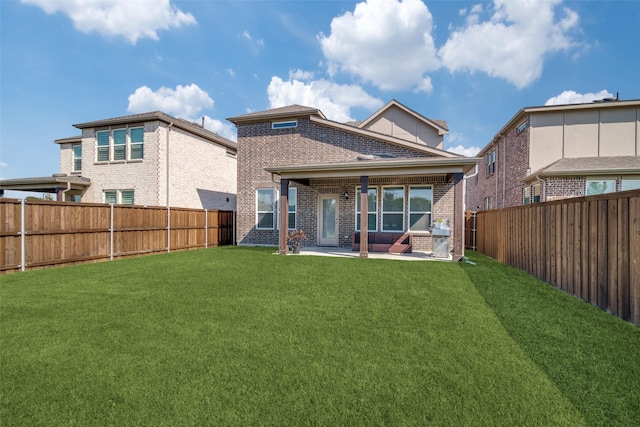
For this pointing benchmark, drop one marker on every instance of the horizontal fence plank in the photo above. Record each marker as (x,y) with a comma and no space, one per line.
(57,233)
(586,246)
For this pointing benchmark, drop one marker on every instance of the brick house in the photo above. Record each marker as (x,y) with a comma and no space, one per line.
(554,152)
(144,159)
(387,174)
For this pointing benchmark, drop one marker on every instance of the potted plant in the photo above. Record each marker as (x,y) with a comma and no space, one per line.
(295,238)
(438,223)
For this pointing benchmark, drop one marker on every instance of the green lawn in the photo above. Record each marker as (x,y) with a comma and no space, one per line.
(239,336)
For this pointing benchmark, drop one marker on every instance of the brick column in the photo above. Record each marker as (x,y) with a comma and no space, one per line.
(284,216)
(364,217)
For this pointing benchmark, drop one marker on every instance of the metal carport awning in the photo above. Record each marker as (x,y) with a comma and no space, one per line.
(57,184)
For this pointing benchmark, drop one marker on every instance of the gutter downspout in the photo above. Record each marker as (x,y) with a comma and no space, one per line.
(64,191)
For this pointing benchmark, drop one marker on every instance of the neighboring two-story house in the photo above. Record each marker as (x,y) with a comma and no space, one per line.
(387,174)
(554,152)
(144,159)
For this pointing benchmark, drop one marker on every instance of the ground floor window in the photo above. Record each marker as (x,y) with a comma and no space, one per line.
(392,208)
(122,197)
(265,208)
(600,186)
(526,195)
(536,193)
(630,184)
(420,202)
(372,209)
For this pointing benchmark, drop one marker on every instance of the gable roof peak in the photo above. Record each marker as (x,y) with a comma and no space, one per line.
(440,125)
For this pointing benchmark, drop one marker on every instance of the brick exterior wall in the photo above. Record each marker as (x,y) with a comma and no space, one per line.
(259,147)
(556,188)
(201,174)
(512,163)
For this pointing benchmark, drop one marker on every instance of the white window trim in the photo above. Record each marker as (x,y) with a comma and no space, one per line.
(491,163)
(118,195)
(130,144)
(74,158)
(383,212)
(108,132)
(127,145)
(112,143)
(409,211)
(357,195)
(273,212)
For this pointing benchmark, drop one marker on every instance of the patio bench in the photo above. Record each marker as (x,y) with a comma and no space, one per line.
(396,243)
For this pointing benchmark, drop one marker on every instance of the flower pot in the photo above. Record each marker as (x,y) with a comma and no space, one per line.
(296,249)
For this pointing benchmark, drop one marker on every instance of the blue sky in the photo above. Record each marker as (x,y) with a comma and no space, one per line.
(473,64)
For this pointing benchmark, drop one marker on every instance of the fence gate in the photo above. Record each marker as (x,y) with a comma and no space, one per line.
(470,229)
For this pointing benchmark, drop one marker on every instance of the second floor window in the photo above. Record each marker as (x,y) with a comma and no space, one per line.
(120,144)
(491,163)
(77,158)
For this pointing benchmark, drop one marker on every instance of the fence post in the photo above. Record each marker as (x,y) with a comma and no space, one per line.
(111,233)
(206,228)
(23,239)
(168,229)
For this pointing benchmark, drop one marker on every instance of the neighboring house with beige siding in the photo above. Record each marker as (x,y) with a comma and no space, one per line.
(554,152)
(144,159)
(385,176)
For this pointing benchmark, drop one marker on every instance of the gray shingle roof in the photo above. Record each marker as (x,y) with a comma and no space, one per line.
(159,115)
(290,110)
(593,165)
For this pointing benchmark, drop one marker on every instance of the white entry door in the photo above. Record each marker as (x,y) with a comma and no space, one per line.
(328,220)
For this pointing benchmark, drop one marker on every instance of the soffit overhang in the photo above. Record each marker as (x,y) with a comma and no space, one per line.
(47,184)
(394,167)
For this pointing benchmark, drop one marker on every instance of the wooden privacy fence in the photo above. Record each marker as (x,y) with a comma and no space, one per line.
(587,246)
(39,233)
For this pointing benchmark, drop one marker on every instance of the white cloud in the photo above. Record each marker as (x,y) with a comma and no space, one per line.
(513,42)
(183,101)
(231,72)
(221,128)
(300,75)
(465,151)
(384,42)
(571,97)
(255,43)
(334,100)
(132,20)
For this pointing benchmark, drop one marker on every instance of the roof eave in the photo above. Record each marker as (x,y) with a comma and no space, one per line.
(275,116)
